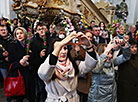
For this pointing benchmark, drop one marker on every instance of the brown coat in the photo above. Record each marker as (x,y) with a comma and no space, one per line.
(84,83)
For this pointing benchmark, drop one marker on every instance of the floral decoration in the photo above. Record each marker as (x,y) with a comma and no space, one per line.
(114,27)
(122,11)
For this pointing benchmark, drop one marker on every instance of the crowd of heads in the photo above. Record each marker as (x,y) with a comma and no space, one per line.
(92,32)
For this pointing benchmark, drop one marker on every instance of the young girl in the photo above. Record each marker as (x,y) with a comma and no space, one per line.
(103,86)
(60,72)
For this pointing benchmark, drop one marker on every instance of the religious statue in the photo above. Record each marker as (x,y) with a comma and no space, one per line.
(122,11)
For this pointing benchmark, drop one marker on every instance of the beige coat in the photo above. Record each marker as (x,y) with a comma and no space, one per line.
(63,90)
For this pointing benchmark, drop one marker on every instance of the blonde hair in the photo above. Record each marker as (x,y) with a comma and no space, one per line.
(121,26)
(22,29)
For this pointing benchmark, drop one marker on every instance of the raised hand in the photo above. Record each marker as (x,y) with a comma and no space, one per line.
(109,47)
(5,53)
(42,53)
(24,61)
(118,42)
(59,44)
(69,38)
(83,39)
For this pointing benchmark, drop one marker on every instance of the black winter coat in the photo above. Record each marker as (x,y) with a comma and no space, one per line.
(36,47)
(15,55)
(127,83)
(6,44)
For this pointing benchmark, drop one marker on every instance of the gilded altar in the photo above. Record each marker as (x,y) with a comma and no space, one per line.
(47,10)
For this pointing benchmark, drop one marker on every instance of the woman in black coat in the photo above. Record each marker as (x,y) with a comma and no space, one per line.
(20,60)
(127,84)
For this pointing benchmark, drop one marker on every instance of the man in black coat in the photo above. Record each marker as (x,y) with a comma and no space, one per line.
(132,33)
(38,49)
(127,83)
(5,41)
(92,24)
(96,31)
(51,35)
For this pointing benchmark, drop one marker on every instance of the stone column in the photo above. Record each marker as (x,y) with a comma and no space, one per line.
(136,12)
(6,9)
(131,10)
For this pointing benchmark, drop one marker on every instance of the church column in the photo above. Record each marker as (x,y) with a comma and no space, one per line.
(131,10)
(136,12)
(6,9)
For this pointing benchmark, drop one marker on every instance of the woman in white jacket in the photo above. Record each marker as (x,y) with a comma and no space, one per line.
(60,72)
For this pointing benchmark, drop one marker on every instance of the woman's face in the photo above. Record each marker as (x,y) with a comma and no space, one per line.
(109,56)
(134,49)
(62,34)
(20,35)
(63,53)
(122,30)
(102,25)
(89,35)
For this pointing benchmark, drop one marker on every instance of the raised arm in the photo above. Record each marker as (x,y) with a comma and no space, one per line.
(47,69)
(123,57)
(103,58)
(88,64)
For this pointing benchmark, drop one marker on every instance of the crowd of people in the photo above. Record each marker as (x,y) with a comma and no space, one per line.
(85,66)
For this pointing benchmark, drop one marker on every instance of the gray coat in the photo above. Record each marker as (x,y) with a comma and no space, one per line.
(103,86)
(62,90)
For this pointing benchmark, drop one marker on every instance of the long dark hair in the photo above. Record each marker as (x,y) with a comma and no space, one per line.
(103,24)
(73,61)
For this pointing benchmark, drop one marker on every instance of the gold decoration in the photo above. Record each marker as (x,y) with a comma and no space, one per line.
(59,2)
(86,12)
(16,4)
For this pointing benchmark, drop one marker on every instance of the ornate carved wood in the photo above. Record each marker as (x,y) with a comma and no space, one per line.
(50,8)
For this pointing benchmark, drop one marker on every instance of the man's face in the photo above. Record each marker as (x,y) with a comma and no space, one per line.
(96,31)
(15,22)
(3,22)
(40,30)
(3,31)
(92,24)
(132,29)
(52,30)
(134,49)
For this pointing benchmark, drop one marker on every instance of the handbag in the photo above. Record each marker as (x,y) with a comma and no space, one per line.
(14,86)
